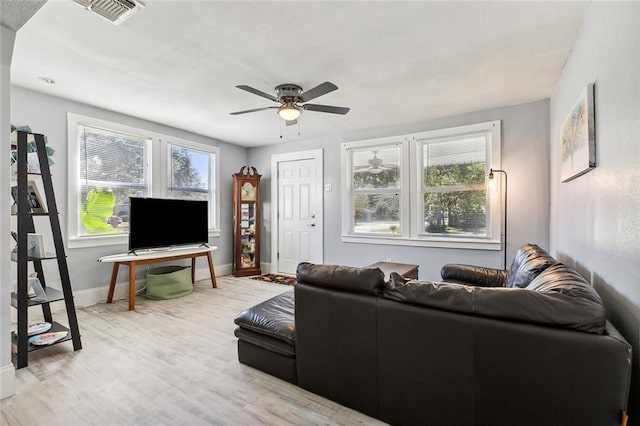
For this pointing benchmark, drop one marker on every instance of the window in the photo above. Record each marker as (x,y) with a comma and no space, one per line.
(375,175)
(453,186)
(112,169)
(189,171)
(425,189)
(108,163)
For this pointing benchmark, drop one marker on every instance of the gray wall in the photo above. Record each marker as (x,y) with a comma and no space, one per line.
(48,115)
(595,219)
(525,153)
(525,133)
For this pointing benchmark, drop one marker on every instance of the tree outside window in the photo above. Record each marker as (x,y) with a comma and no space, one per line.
(424,189)
(189,172)
(455,201)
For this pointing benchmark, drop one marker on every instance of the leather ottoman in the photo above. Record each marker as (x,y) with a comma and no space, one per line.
(267,337)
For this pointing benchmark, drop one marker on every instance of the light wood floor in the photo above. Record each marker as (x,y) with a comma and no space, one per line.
(169,362)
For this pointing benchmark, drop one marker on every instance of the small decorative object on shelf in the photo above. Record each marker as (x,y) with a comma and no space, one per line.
(33,163)
(35,245)
(36,292)
(31,144)
(35,201)
(246,222)
(38,328)
(48,338)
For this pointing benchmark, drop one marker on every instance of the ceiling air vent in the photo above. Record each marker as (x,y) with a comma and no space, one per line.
(116,11)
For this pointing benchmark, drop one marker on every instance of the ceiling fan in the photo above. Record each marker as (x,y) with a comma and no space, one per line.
(375,165)
(291,98)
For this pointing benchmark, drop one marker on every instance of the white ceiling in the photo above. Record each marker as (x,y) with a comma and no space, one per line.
(178,62)
(14,14)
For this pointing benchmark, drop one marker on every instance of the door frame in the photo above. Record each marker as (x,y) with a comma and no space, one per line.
(318,157)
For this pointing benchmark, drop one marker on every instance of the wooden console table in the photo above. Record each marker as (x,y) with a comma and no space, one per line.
(132,260)
(405,269)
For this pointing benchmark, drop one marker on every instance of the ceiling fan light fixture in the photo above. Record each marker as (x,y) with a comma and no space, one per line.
(289,112)
(289,97)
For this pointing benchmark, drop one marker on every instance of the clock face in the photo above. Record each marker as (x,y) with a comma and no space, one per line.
(248,192)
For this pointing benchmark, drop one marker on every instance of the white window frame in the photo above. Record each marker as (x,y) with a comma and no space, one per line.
(347,193)
(411,196)
(157,164)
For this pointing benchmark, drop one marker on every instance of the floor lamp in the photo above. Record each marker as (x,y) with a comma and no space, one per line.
(491,172)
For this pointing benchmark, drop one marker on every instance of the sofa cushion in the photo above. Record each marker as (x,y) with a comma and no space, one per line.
(274,317)
(448,296)
(344,278)
(562,280)
(529,261)
(559,297)
(264,341)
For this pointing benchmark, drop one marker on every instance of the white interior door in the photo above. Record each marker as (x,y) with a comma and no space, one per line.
(299,226)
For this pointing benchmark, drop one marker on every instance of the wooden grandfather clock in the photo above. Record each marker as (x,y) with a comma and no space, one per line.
(246,222)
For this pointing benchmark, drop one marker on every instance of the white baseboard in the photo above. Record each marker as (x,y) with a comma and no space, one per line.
(203,273)
(7,380)
(92,296)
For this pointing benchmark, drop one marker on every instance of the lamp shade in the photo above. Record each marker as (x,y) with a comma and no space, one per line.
(289,112)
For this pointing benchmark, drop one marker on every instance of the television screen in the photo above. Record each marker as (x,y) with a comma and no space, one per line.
(164,222)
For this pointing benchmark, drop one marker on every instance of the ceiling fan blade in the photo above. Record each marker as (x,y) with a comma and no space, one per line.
(326,108)
(291,122)
(319,90)
(252,110)
(258,92)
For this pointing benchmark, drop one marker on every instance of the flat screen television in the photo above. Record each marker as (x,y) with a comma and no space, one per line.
(164,223)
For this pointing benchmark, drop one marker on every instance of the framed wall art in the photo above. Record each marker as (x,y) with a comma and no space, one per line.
(578,137)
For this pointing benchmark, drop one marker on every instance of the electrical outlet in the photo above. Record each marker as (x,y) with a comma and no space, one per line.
(328,187)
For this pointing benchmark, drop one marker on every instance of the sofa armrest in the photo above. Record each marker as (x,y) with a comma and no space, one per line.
(369,281)
(477,276)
